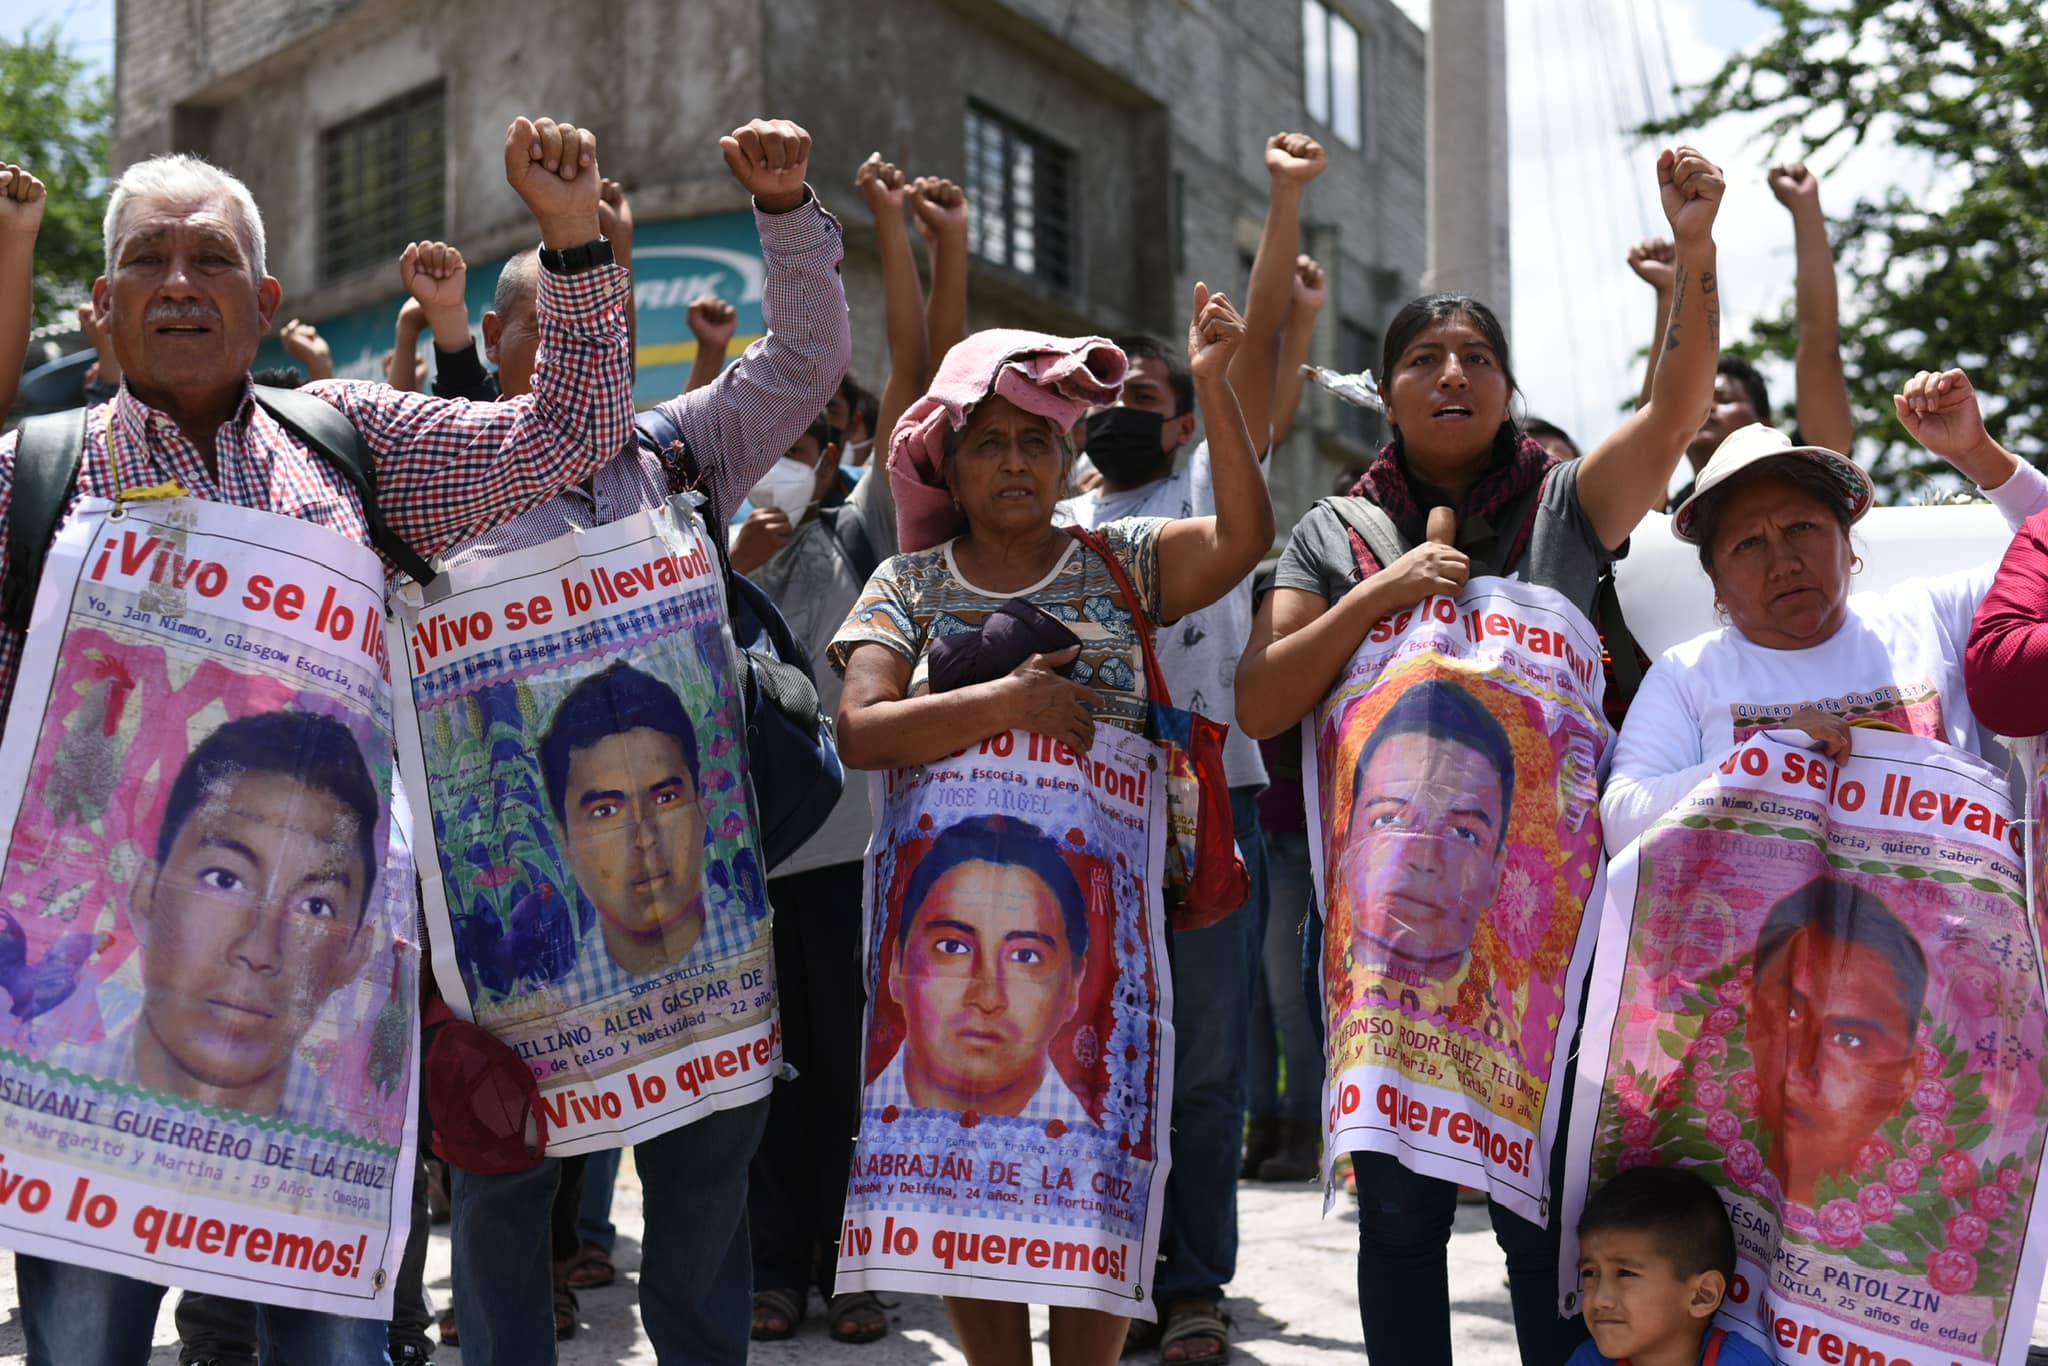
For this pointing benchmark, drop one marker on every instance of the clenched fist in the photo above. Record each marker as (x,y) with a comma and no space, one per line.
(1295,157)
(1655,261)
(939,208)
(1797,188)
(1691,188)
(712,321)
(22,198)
(553,167)
(770,157)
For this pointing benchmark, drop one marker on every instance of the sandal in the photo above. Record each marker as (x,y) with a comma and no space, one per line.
(444,1326)
(845,1313)
(777,1314)
(565,1313)
(590,1269)
(1142,1335)
(1194,1322)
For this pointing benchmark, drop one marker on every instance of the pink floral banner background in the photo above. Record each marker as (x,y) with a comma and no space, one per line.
(1820,987)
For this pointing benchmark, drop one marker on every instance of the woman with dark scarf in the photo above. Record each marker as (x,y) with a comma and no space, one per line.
(1461,481)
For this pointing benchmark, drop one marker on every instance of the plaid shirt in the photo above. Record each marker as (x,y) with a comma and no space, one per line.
(596,981)
(1053,1099)
(446,470)
(741,423)
(303,1101)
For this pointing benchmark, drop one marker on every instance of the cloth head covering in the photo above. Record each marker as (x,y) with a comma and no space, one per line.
(1057,378)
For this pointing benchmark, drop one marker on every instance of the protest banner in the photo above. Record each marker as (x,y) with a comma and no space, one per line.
(1818,987)
(1452,779)
(595,896)
(207,1064)
(1019,1055)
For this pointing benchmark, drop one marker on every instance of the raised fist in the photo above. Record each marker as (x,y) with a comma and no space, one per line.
(553,167)
(434,274)
(1691,188)
(1213,335)
(1295,156)
(939,208)
(1796,187)
(615,217)
(712,321)
(22,198)
(308,348)
(882,184)
(1654,260)
(1309,286)
(1940,410)
(770,157)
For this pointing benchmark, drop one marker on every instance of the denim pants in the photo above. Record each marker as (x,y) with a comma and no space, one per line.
(1281,1031)
(1404,1234)
(73,1316)
(222,1331)
(695,1269)
(594,1219)
(1212,995)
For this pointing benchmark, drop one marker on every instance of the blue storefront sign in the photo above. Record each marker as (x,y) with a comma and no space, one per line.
(673,262)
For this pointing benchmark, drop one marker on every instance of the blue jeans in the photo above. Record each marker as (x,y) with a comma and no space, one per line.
(695,1268)
(594,1220)
(1404,1231)
(1212,993)
(1281,1030)
(74,1316)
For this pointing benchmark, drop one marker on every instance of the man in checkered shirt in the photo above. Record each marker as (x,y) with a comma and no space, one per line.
(696,1270)
(188,302)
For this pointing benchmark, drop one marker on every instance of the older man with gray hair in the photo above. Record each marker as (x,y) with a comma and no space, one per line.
(187,302)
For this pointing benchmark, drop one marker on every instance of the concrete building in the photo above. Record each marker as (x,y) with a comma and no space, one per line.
(1113,151)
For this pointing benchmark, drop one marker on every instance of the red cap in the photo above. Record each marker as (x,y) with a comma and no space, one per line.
(484,1101)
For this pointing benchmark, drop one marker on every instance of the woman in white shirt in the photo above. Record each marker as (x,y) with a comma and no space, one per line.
(1772,523)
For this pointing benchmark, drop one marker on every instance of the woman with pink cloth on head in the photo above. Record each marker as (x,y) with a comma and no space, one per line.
(976,466)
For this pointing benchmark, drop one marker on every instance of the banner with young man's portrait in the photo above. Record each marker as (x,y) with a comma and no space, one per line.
(1019,1054)
(594,890)
(1451,779)
(208,1054)
(1820,988)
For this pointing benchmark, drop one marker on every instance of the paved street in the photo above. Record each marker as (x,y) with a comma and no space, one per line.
(1295,1298)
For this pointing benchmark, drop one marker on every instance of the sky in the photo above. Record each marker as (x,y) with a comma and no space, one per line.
(1580,191)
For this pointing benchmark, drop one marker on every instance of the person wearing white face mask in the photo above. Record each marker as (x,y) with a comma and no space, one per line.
(812,550)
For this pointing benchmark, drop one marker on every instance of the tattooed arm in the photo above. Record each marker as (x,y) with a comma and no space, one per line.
(1626,474)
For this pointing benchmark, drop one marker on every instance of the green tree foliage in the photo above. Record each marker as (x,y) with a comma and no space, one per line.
(55,121)
(1966,82)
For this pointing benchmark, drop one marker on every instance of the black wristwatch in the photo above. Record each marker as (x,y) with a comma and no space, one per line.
(594,253)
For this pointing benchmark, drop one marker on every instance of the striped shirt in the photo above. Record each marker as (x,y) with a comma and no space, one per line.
(446,470)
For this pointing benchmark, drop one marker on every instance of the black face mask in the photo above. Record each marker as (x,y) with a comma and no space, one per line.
(1124,444)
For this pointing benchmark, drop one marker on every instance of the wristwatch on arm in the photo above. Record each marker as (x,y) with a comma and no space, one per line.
(575,260)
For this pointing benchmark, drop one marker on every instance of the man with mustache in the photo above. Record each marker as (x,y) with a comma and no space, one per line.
(187,301)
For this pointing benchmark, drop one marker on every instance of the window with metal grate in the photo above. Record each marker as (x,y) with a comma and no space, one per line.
(1019,197)
(383,182)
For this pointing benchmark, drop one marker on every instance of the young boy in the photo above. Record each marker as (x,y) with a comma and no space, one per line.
(1655,1258)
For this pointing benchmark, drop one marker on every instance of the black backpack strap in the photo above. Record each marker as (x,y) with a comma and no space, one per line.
(322,427)
(850,532)
(1621,642)
(1373,526)
(49,450)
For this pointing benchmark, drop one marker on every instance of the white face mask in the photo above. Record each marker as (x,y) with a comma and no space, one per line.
(787,486)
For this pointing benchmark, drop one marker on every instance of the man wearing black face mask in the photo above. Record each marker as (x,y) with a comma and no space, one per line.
(1133,447)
